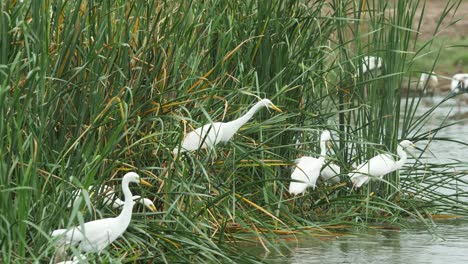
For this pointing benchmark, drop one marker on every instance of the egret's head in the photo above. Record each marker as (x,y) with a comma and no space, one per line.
(134,177)
(149,204)
(326,135)
(269,104)
(145,201)
(406,143)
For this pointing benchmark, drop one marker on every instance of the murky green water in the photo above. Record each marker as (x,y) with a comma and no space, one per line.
(410,245)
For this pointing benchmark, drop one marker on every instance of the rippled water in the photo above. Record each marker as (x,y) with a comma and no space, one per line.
(447,113)
(412,245)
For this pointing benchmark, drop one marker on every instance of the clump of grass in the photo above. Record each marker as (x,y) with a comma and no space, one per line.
(89,90)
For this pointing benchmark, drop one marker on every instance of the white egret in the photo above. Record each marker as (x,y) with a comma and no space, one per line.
(428,81)
(94,236)
(110,199)
(380,165)
(371,63)
(308,169)
(459,83)
(209,135)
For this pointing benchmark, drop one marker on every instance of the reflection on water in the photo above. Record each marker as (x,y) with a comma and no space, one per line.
(412,245)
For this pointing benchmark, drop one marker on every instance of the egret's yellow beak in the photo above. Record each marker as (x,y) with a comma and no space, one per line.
(146,183)
(153,208)
(330,144)
(276,108)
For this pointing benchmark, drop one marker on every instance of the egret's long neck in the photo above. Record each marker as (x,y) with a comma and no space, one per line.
(323,149)
(237,123)
(126,214)
(403,157)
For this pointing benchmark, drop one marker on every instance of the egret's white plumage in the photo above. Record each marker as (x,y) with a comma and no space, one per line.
(209,135)
(329,172)
(94,236)
(459,82)
(428,81)
(380,165)
(110,199)
(371,63)
(308,169)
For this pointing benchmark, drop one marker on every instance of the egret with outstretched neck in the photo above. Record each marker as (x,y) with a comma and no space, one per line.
(94,236)
(209,135)
(380,165)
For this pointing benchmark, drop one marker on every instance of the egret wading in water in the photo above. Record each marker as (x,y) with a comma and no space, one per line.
(94,236)
(209,135)
(380,165)
(308,169)
(428,83)
(459,84)
(111,199)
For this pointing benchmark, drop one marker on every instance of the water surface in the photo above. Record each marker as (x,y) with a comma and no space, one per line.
(410,245)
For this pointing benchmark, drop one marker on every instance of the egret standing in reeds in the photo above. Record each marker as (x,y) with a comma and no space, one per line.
(110,199)
(308,169)
(380,165)
(94,236)
(209,135)
(371,64)
(330,172)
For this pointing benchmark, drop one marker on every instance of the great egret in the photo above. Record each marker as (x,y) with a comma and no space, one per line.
(371,63)
(429,81)
(209,135)
(110,199)
(308,169)
(94,236)
(380,165)
(459,83)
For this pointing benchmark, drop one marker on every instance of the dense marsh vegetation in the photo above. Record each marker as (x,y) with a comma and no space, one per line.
(92,89)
